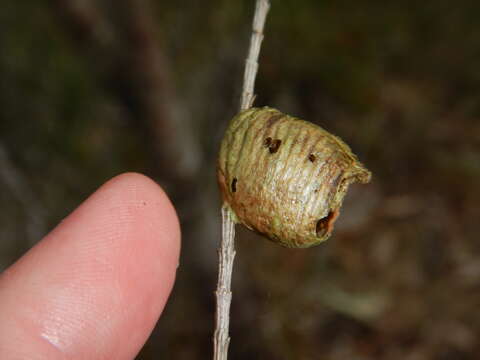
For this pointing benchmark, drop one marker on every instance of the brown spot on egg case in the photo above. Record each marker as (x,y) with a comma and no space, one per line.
(324,226)
(274,146)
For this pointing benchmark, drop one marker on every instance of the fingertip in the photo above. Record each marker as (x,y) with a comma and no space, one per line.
(95,286)
(138,190)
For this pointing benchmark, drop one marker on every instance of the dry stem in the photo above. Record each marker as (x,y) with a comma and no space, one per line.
(251,64)
(226,252)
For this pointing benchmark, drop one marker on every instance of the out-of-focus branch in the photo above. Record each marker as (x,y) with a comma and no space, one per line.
(163,111)
(132,66)
(85,24)
(18,187)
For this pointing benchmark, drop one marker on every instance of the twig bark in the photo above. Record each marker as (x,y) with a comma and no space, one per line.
(251,64)
(226,255)
(226,252)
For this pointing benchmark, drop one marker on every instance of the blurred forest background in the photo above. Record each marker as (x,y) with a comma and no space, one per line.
(93,88)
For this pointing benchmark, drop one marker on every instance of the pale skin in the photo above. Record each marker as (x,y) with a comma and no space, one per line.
(95,286)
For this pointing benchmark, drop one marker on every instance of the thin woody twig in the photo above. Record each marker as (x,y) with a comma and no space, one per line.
(226,252)
(226,255)
(251,63)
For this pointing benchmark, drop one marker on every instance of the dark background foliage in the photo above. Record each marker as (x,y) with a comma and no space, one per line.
(90,89)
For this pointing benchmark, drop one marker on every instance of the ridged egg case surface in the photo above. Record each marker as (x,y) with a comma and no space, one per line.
(284,177)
